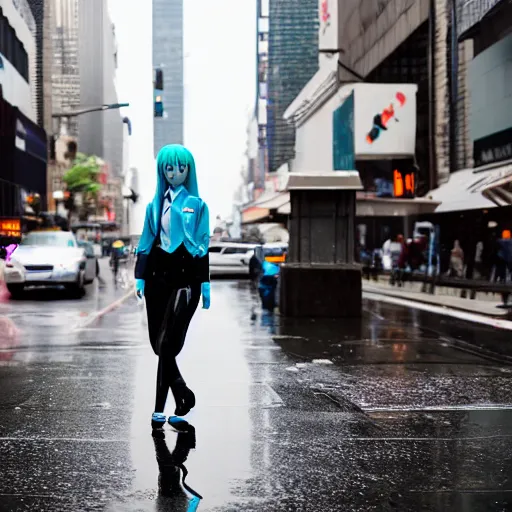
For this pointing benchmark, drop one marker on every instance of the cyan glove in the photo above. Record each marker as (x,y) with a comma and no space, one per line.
(205,292)
(139,287)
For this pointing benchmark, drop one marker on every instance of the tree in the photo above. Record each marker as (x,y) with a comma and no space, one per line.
(83,179)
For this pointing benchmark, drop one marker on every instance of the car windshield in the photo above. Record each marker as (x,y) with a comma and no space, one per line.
(48,239)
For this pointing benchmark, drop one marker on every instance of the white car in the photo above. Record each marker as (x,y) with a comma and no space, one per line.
(50,258)
(230,258)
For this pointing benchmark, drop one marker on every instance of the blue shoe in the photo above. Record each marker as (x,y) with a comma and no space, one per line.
(157,420)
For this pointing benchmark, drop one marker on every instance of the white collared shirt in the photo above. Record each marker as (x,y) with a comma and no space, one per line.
(165,230)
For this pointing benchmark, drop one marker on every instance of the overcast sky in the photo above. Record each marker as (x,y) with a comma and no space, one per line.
(220,67)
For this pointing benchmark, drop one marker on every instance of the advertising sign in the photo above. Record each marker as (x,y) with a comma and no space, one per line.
(343,136)
(494,148)
(328,33)
(10,230)
(385,120)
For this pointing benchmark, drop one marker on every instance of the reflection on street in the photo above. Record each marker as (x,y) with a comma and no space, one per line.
(174,494)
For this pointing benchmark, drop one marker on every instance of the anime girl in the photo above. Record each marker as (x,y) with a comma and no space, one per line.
(172,271)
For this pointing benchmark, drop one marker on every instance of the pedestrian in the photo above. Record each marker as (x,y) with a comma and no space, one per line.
(115,258)
(399,261)
(4,293)
(101,281)
(504,263)
(478,267)
(268,285)
(172,271)
(457,260)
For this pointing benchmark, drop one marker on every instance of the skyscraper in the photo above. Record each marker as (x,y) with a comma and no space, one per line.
(100,133)
(292,62)
(168,56)
(65,66)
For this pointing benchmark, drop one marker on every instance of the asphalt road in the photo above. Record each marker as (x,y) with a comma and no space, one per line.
(397,411)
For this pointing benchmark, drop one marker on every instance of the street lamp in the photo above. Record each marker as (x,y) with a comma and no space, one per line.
(64,116)
(100,108)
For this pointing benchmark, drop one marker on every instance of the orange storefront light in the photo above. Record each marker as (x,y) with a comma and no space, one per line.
(506,234)
(398,184)
(403,184)
(409,183)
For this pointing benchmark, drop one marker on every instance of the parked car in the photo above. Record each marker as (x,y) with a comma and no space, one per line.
(229,258)
(50,258)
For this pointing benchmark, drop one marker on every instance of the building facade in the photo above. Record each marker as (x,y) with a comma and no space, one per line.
(100,133)
(260,161)
(168,56)
(65,62)
(18,71)
(292,61)
(489,72)
(23,144)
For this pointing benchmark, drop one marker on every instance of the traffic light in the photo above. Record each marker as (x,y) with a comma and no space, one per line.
(159,106)
(159,79)
(69,200)
(158,88)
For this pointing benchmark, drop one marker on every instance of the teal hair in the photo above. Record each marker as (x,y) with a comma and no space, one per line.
(174,154)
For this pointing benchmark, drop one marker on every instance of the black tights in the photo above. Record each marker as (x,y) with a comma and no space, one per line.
(169,315)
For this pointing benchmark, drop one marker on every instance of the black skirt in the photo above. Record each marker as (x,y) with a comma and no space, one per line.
(177,270)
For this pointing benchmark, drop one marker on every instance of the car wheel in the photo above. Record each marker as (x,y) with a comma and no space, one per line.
(15,289)
(77,288)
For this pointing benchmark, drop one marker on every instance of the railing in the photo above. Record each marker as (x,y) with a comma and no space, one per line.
(430,282)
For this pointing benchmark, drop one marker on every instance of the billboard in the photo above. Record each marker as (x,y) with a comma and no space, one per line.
(328,29)
(343,156)
(384,120)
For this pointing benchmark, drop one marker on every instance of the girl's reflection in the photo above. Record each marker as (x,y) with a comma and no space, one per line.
(174,495)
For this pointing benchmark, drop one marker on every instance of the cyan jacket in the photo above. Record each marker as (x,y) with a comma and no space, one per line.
(190,224)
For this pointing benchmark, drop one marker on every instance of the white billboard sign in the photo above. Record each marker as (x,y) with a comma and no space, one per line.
(15,89)
(328,29)
(385,120)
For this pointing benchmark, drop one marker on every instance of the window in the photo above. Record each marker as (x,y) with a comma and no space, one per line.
(48,239)
(215,249)
(235,250)
(12,48)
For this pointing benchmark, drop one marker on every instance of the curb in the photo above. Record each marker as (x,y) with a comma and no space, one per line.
(441,310)
(430,302)
(102,312)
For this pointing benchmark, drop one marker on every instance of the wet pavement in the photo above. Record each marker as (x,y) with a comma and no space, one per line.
(401,410)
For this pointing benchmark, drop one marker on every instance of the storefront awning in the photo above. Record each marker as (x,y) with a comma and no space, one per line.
(254,214)
(261,210)
(474,189)
(368,206)
(497,187)
(275,202)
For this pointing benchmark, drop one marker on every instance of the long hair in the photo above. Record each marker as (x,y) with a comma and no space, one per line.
(174,154)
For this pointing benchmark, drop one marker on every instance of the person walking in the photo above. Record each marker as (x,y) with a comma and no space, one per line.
(172,272)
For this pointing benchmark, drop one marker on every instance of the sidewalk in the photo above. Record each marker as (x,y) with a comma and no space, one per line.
(482,305)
